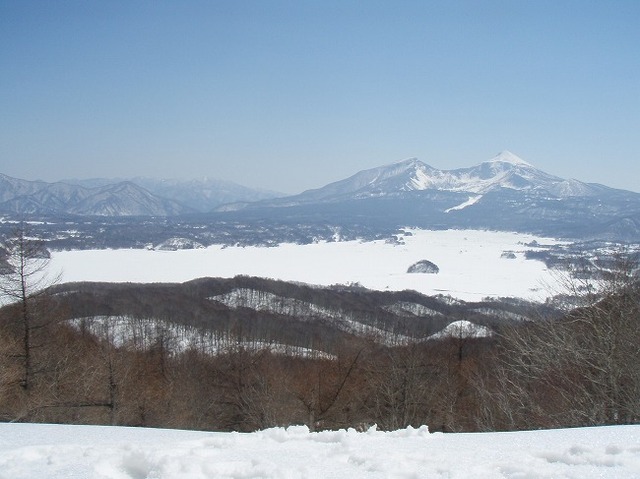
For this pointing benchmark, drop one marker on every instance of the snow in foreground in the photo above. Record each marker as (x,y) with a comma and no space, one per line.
(29,451)
(470,262)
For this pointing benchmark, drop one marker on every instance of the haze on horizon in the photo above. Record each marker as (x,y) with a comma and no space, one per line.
(289,95)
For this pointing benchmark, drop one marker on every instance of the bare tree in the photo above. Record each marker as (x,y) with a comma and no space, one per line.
(326,388)
(583,369)
(23,282)
(402,384)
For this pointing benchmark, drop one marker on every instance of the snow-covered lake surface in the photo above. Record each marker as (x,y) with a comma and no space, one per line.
(29,451)
(470,263)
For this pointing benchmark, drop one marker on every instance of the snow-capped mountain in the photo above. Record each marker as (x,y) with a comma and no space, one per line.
(24,197)
(121,197)
(505,170)
(201,195)
(503,193)
(127,199)
(204,194)
(13,187)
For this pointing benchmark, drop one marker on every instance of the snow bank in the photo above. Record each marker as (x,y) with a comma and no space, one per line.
(91,452)
(463,329)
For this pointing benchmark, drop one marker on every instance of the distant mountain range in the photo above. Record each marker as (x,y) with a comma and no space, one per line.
(200,195)
(109,197)
(503,193)
(24,198)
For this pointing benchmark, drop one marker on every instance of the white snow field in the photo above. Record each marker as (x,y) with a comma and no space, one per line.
(470,262)
(32,451)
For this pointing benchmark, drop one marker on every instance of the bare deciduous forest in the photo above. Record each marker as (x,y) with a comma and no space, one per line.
(248,353)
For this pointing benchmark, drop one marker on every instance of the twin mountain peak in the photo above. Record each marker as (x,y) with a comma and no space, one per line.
(505,170)
(144,196)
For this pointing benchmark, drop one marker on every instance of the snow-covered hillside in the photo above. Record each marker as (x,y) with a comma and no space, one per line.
(471,264)
(504,171)
(30,451)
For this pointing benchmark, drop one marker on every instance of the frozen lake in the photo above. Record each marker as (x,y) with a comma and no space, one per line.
(470,261)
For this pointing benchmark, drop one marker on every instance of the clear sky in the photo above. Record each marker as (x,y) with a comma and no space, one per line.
(291,95)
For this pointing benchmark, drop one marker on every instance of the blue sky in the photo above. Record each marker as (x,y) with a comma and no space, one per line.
(291,95)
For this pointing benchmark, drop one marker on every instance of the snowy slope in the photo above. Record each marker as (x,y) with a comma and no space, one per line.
(90,452)
(504,171)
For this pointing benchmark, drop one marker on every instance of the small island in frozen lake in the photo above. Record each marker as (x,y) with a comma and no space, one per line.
(424,266)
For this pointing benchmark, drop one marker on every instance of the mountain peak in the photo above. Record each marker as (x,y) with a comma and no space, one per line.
(504,171)
(506,156)
(408,161)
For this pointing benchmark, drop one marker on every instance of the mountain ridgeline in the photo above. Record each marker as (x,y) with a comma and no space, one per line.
(118,198)
(503,193)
